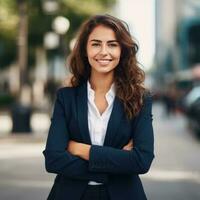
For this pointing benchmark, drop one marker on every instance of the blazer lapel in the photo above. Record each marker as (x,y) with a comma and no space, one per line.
(116,116)
(82,111)
(114,121)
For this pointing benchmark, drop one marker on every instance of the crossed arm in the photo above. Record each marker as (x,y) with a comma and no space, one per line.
(92,162)
(83,150)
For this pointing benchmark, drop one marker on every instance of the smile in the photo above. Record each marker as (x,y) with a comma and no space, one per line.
(104,61)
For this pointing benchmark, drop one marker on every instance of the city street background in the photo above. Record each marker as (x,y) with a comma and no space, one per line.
(175,173)
(36,38)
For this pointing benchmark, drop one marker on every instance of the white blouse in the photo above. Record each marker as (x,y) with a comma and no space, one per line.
(97,123)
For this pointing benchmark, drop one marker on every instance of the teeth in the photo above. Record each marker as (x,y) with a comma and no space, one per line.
(103,62)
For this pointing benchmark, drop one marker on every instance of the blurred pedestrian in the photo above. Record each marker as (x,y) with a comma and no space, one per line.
(170,99)
(101,135)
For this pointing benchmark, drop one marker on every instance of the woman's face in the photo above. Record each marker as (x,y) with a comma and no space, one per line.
(103,50)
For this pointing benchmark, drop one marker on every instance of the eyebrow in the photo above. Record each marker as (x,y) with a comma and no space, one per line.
(109,41)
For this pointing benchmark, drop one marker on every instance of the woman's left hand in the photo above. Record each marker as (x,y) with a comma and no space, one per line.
(129,146)
(79,149)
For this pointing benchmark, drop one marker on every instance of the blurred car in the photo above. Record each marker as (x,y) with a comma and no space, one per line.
(192,108)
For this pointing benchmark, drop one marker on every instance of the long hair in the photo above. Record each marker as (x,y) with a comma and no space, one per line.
(128,76)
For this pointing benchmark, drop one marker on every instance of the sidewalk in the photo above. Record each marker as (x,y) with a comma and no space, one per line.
(175,172)
(39,123)
(23,138)
(22,146)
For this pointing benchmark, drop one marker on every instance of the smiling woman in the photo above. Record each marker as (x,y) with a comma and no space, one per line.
(101,135)
(103,51)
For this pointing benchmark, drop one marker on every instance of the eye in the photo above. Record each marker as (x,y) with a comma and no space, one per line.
(113,44)
(95,44)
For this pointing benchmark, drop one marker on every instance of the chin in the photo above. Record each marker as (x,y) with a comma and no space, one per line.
(105,72)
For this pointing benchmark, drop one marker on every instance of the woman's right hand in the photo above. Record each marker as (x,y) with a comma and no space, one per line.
(128,146)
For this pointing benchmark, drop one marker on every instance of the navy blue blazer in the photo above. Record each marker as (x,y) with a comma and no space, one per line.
(118,169)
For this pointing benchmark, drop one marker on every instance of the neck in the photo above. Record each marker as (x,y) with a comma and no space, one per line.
(101,83)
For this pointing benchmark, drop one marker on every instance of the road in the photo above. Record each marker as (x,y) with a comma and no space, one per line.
(175,172)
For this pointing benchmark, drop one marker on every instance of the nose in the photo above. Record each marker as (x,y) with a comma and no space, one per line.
(103,50)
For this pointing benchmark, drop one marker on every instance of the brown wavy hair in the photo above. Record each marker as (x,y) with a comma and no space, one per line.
(128,76)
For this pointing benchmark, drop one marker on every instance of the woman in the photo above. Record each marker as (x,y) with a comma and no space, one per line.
(101,135)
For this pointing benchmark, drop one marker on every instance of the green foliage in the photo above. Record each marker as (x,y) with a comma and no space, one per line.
(7,51)
(6,100)
(8,27)
(40,23)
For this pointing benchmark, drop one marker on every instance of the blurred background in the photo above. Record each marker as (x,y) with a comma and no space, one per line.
(36,37)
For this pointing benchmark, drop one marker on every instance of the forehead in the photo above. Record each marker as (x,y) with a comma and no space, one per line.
(102,33)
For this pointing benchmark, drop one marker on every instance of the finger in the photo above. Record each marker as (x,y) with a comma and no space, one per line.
(130,145)
(127,148)
(130,142)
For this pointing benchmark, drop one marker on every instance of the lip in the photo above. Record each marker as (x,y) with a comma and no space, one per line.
(103,61)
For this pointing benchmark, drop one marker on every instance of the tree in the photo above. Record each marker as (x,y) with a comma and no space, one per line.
(40,22)
(23,24)
(8,27)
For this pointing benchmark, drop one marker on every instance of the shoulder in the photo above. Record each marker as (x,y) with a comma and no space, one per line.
(71,91)
(147,102)
(147,96)
(65,92)
(146,109)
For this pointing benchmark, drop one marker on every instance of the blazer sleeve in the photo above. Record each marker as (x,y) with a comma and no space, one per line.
(136,161)
(57,159)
